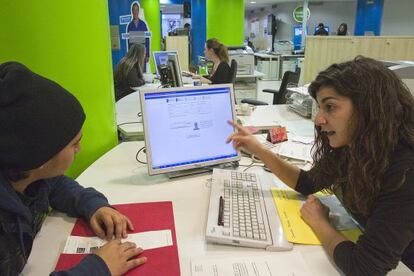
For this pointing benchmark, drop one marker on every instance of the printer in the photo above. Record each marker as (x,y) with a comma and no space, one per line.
(244,59)
(404,70)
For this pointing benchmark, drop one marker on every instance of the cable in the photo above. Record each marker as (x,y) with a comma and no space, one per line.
(138,152)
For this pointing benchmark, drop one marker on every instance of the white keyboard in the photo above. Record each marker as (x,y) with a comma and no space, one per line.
(237,213)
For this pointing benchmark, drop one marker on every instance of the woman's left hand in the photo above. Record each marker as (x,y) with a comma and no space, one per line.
(314,212)
(107,222)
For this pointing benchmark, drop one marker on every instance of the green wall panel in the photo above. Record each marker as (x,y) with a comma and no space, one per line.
(68,42)
(225,21)
(152,17)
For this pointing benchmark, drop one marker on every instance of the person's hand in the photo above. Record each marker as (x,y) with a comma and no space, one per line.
(244,139)
(119,256)
(314,212)
(106,222)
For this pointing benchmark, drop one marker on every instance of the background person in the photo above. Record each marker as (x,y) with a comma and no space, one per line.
(321,30)
(129,72)
(364,153)
(40,132)
(342,29)
(217,52)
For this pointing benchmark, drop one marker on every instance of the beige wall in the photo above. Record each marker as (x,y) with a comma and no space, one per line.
(323,51)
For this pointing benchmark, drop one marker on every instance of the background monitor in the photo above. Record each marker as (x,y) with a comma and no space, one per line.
(186,127)
(161,58)
(174,66)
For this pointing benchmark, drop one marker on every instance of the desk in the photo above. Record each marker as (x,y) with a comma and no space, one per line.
(127,119)
(246,86)
(118,175)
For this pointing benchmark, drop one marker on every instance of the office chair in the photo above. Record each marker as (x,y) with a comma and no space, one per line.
(279,96)
(233,67)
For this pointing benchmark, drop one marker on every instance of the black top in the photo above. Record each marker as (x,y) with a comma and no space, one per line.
(123,87)
(222,74)
(388,236)
(321,31)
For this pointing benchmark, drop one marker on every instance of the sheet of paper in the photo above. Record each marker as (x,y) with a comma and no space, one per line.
(295,150)
(281,263)
(145,240)
(288,205)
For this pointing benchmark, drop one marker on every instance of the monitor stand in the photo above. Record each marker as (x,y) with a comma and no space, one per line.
(229,165)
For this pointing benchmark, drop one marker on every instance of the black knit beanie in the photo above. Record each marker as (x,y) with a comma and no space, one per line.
(38,118)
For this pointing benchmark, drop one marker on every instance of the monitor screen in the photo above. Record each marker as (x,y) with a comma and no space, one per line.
(161,58)
(174,65)
(187,127)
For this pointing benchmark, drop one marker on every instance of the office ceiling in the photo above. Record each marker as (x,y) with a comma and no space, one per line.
(268,3)
(174,8)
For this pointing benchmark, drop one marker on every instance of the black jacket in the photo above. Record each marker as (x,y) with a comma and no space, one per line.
(388,234)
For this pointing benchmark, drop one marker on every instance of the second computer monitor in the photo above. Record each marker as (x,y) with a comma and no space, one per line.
(161,58)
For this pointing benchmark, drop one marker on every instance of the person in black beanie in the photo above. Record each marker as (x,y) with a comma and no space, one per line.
(40,133)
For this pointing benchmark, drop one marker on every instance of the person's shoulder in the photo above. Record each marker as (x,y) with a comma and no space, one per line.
(224,64)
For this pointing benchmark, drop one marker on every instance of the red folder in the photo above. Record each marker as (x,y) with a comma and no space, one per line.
(145,217)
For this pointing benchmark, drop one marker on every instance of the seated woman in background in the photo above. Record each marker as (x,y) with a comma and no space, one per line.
(342,29)
(364,153)
(129,72)
(217,52)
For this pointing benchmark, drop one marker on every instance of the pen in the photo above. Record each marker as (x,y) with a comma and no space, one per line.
(221,209)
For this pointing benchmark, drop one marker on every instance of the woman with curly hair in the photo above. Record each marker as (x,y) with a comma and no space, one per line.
(364,154)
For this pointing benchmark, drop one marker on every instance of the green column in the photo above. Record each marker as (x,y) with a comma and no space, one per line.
(68,42)
(152,17)
(225,21)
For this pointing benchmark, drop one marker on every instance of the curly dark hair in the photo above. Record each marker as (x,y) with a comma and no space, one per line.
(383,116)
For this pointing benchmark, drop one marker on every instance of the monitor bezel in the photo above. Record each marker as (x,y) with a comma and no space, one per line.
(151,170)
(155,60)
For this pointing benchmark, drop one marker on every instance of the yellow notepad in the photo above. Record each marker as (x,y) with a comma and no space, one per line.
(288,204)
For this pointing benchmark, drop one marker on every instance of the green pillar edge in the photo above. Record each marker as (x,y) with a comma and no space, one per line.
(225,21)
(68,42)
(152,17)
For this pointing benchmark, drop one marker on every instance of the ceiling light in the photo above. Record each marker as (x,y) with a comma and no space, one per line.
(252,2)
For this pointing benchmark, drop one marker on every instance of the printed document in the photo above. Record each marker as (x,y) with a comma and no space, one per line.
(145,240)
(279,263)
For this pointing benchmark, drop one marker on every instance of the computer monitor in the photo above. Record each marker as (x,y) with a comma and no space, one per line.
(161,58)
(175,70)
(186,128)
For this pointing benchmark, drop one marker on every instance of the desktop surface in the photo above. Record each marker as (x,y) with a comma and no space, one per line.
(118,175)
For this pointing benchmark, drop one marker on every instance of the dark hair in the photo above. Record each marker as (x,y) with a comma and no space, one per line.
(344,31)
(134,57)
(132,7)
(320,25)
(219,49)
(383,117)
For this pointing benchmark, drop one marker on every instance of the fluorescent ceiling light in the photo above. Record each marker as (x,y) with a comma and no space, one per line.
(252,2)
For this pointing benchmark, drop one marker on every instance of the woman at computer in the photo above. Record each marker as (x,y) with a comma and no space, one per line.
(216,51)
(129,72)
(364,153)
